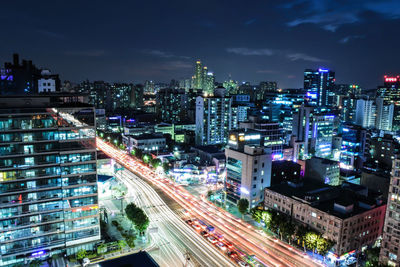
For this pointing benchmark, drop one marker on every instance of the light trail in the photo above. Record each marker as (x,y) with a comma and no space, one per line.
(174,236)
(269,251)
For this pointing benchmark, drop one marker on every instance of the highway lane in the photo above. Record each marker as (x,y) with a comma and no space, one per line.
(269,251)
(174,237)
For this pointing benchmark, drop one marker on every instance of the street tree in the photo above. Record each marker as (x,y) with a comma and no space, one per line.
(243,206)
(131,211)
(323,245)
(311,240)
(81,254)
(141,221)
(256,214)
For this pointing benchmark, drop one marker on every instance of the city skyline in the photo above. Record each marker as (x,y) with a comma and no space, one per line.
(254,42)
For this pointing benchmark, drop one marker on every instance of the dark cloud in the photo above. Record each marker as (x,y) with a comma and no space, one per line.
(250,52)
(160,40)
(301,56)
(86,53)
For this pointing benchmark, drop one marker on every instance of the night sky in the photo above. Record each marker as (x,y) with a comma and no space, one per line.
(132,41)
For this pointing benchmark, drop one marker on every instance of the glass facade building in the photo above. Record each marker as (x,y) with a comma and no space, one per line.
(48,181)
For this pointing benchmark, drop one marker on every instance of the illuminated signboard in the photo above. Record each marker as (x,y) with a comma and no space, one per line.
(391,79)
(323,70)
(252,137)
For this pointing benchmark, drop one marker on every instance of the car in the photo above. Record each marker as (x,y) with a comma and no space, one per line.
(232,254)
(219,236)
(189,222)
(243,263)
(195,226)
(212,239)
(229,245)
(204,233)
(221,246)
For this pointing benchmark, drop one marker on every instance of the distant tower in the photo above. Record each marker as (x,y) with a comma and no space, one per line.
(198,75)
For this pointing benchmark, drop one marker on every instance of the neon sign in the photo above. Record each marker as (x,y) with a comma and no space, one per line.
(391,79)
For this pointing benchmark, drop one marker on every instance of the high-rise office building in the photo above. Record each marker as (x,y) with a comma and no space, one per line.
(302,121)
(390,92)
(172,105)
(263,88)
(390,252)
(384,115)
(322,134)
(354,146)
(376,113)
(198,76)
(213,118)
(208,82)
(248,167)
(48,179)
(148,87)
(319,85)
(365,113)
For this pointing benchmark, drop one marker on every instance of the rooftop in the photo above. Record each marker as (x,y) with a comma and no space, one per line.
(324,197)
(147,136)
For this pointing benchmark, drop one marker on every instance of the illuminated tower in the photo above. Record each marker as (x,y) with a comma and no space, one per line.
(390,92)
(198,76)
(319,85)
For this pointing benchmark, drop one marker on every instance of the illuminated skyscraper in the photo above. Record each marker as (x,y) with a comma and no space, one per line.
(390,92)
(390,252)
(319,85)
(322,133)
(198,76)
(213,118)
(48,178)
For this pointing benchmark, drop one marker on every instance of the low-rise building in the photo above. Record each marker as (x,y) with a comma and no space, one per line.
(323,170)
(145,142)
(348,215)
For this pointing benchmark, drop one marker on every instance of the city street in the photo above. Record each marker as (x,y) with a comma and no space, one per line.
(268,251)
(170,237)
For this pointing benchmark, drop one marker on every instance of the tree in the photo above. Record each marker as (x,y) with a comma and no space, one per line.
(131,210)
(276,221)
(300,233)
(35,263)
(137,217)
(323,245)
(146,158)
(373,258)
(286,230)
(243,205)
(138,153)
(130,240)
(266,217)
(155,163)
(311,240)
(122,244)
(166,167)
(81,254)
(256,214)
(141,221)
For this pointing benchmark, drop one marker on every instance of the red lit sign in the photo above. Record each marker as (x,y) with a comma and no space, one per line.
(391,79)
